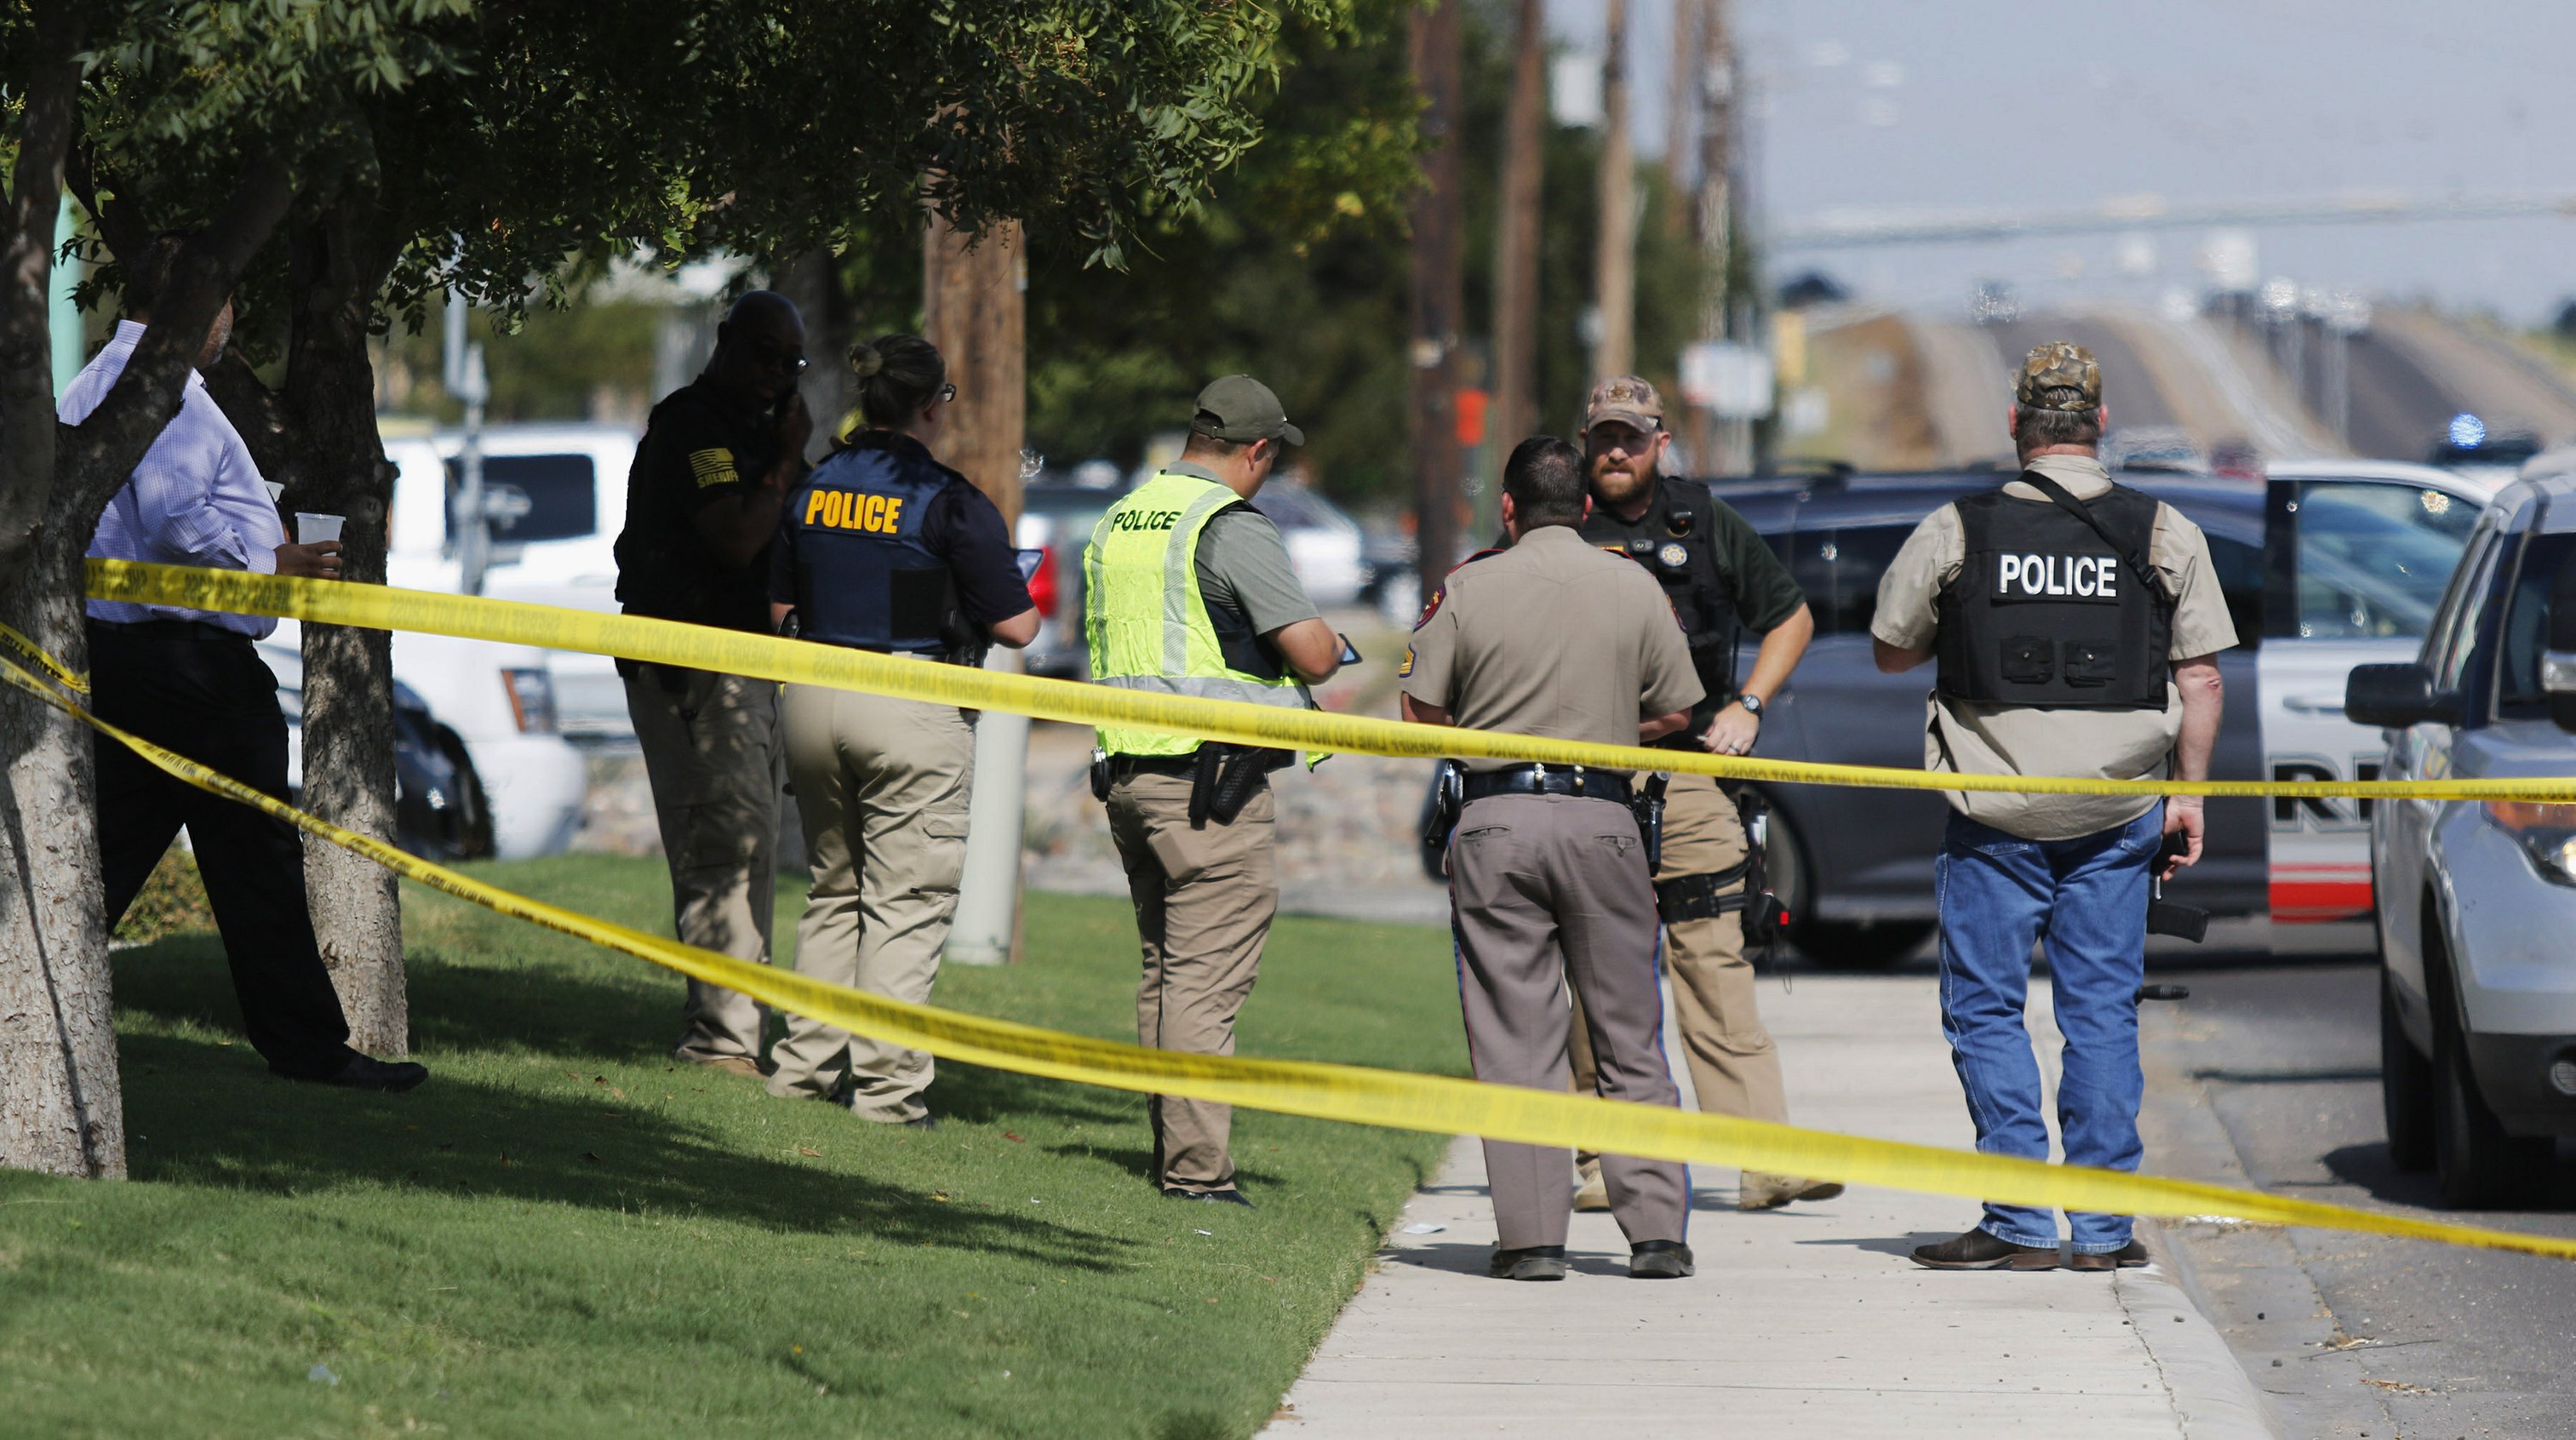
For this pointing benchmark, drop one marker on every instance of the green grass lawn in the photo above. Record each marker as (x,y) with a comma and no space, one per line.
(564,1235)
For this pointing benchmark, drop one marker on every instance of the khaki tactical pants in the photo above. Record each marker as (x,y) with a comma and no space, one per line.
(1204,901)
(711,757)
(882,785)
(1734,1067)
(1546,890)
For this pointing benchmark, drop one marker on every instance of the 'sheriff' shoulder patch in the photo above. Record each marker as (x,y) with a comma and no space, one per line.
(713,467)
(1431,607)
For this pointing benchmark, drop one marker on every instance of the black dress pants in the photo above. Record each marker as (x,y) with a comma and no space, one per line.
(206,694)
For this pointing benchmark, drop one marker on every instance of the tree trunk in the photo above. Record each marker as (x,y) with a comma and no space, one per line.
(60,1107)
(813,282)
(330,414)
(1439,462)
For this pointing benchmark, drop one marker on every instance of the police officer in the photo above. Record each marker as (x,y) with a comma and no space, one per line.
(2077,625)
(1189,592)
(1547,872)
(702,502)
(1723,580)
(883,548)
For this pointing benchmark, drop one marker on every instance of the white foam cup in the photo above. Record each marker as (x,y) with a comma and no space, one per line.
(312,529)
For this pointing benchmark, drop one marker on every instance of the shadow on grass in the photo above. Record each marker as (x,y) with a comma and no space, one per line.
(209,1114)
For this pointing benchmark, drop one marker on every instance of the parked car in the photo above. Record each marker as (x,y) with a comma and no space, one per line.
(1056,518)
(1325,545)
(498,701)
(564,493)
(2324,566)
(440,812)
(2475,901)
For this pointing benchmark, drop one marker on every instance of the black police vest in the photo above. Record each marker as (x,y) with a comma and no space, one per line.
(2045,615)
(1676,544)
(864,576)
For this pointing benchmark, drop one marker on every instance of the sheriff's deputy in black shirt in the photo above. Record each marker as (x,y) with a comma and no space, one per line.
(702,504)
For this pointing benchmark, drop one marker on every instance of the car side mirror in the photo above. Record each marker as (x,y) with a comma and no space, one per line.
(2393,697)
(2558,663)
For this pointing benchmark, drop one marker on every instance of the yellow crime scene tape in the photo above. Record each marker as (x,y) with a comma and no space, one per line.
(769,657)
(1356,1094)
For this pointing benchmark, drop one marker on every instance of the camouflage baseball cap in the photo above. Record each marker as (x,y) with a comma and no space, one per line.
(1627,399)
(2059,375)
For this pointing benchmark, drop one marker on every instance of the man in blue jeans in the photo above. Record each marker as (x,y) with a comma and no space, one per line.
(2077,625)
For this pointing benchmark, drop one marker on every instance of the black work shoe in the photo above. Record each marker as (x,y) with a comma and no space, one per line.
(1660,1260)
(1531,1262)
(1978,1250)
(2127,1257)
(1227,1196)
(365,1072)
(922,1122)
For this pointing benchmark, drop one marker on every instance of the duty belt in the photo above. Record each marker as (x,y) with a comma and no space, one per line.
(1548,780)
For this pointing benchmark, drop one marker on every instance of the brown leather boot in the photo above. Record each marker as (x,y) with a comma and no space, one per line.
(2127,1257)
(1978,1250)
(1763,1191)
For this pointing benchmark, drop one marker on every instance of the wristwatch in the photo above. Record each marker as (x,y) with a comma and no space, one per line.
(1752,705)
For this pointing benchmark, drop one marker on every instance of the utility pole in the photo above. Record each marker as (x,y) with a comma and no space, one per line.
(975,309)
(1438,460)
(1516,235)
(1614,270)
(1683,82)
(1713,216)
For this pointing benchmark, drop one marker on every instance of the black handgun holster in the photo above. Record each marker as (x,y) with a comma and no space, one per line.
(1224,777)
(1743,887)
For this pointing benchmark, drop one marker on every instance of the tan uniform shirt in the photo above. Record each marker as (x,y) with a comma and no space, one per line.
(2092,744)
(1552,637)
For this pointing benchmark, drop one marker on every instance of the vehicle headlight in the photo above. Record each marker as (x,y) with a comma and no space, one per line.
(532,701)
(2546,832)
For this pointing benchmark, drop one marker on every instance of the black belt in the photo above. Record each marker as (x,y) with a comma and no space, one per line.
(198,630)
(1183,766)
(1548,780)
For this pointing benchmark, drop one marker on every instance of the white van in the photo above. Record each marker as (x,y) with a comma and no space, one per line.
(558,549)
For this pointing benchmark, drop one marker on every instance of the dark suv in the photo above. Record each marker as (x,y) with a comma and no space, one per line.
(2323,566)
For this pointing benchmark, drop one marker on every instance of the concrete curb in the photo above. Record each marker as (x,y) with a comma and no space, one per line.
(2213,1397)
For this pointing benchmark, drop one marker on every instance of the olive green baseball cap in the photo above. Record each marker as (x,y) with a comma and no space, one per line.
(2059,375)
(1242,409)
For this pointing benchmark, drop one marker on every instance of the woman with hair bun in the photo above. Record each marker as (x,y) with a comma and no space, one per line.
(883,548)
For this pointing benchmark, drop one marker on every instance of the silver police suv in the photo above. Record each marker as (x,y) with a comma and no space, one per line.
(2476,901)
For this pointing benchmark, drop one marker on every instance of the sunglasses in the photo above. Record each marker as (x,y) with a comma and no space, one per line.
(947,394)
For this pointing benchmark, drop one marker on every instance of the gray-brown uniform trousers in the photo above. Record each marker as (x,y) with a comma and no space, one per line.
(1734,1067)
(711,754)
(1546,890)
(1204,901)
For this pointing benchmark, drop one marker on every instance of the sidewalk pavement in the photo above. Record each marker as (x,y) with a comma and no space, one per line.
(1808,1322)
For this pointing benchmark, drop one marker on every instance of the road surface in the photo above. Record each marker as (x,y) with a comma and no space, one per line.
(2269,1074)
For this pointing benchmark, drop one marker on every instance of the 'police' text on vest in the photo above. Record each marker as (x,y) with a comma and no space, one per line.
(2031,576)
(853,510)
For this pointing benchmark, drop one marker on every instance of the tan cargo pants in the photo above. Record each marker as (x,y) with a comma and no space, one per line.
(882,785)
(1733,1064)
(1204,901)
(1547,891)
(711,756)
